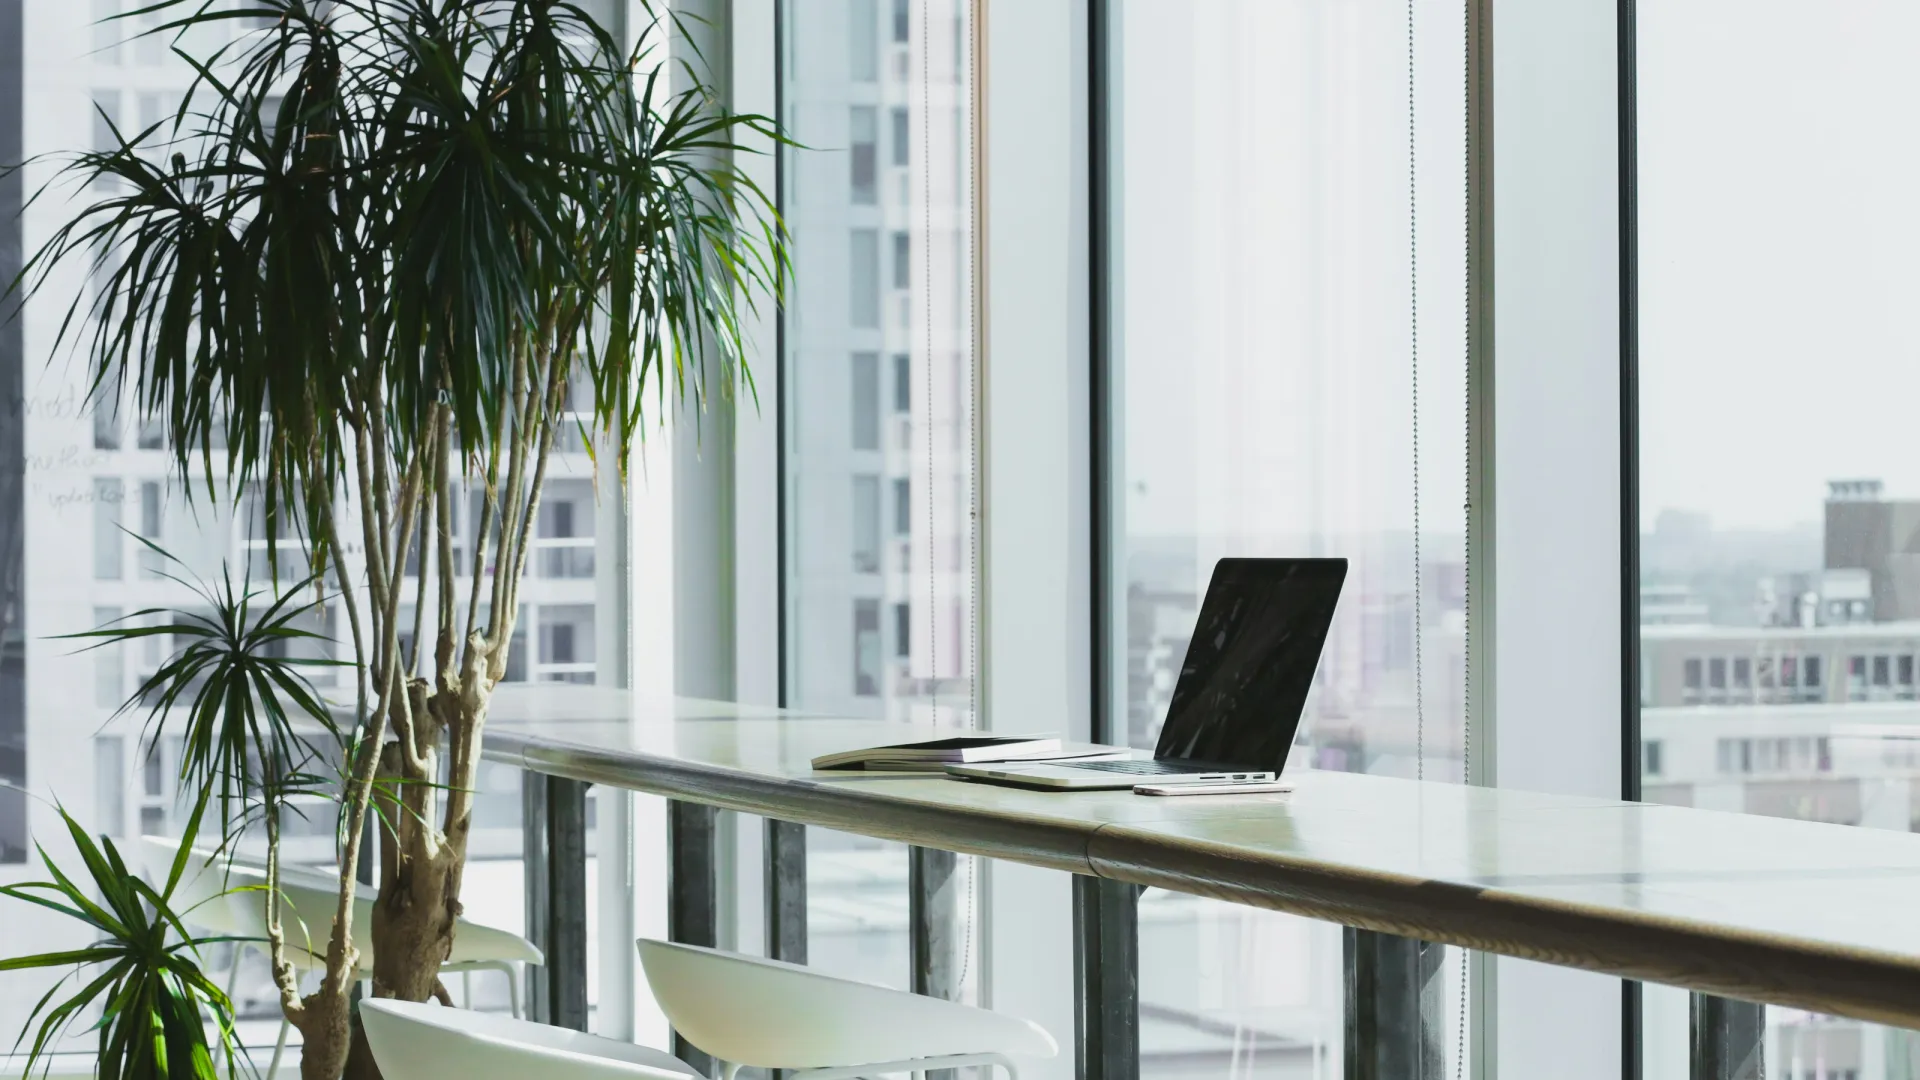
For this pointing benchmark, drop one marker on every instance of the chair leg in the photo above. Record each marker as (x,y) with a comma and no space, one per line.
(513,992)
(279,1048)
(728,1070)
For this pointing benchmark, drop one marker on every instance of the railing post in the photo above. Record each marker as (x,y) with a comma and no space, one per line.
(1393,1007)
(566,945)
(1728,1039)
(1106,977)
(533,854)
(786,891)
(692,895)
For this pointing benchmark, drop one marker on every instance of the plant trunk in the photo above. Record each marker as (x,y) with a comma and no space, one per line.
(420,872)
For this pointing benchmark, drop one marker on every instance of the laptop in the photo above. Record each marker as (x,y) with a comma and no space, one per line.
(1241,691)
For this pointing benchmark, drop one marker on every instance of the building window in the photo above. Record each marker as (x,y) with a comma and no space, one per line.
(1763,672)
(864,155)
(153,772)
(902,506)
(1903,670)
(863,41)
(1883,671)
(110,784)
(902,630)
(1810,673)
(866,648)
(1856,676)
(1742,673)
(153,434)
(901,22)
(902,140)
(1717,673)
(109,548)
(106,424)
(902,260)
(1650,757)
(151,562)
(866,401)
(109,665)
(1692,676)
(866,525)
(902,383)
(863,280)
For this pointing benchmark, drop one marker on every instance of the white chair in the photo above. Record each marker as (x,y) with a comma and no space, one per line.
(223,895)
(747,1011)
(415,1041)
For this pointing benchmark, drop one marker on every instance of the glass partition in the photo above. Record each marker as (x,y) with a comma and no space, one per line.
(1779,493)
(877,376)
(1289,379)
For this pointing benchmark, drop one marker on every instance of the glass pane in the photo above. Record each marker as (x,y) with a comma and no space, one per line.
(1776,497)
(879,476)
(1281,394)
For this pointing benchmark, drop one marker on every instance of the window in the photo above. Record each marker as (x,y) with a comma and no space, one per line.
(902,261)
(852,427)
(1815,508)
(109,665)
(1692,677)
(109,546)
(152,564)
(866,401)
(863,280)
(1650,757)
(863,41)
(866,648)
(1717,673)
(106,424)
(901,22)
(902,506)
(153,433)
(901,140)
(1742,673)
(153,772)
(1262,230)
(864,155)
(866,524)
(110,784)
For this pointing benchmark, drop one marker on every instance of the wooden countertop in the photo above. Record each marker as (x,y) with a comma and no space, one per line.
(1808,915)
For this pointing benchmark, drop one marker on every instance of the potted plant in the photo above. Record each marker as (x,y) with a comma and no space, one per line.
(384,250)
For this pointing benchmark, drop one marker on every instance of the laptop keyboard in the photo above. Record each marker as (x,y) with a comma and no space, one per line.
(1142,768)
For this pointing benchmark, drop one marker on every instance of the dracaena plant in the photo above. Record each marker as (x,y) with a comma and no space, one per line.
(381,255)
(141,971)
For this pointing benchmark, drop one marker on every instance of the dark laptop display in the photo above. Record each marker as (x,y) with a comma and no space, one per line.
(1251,662)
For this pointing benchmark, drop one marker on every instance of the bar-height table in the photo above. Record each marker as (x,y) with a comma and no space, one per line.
(1762,910)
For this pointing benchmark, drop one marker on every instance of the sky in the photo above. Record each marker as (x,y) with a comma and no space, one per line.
(1779,168)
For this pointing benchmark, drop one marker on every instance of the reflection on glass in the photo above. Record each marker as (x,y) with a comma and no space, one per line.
(1779,595)
(879,476)
(1267,406)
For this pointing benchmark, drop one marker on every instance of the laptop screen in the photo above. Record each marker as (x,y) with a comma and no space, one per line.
(1251,661)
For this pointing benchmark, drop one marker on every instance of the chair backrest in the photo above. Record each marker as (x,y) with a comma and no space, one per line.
(750,1011)
(414,1041)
